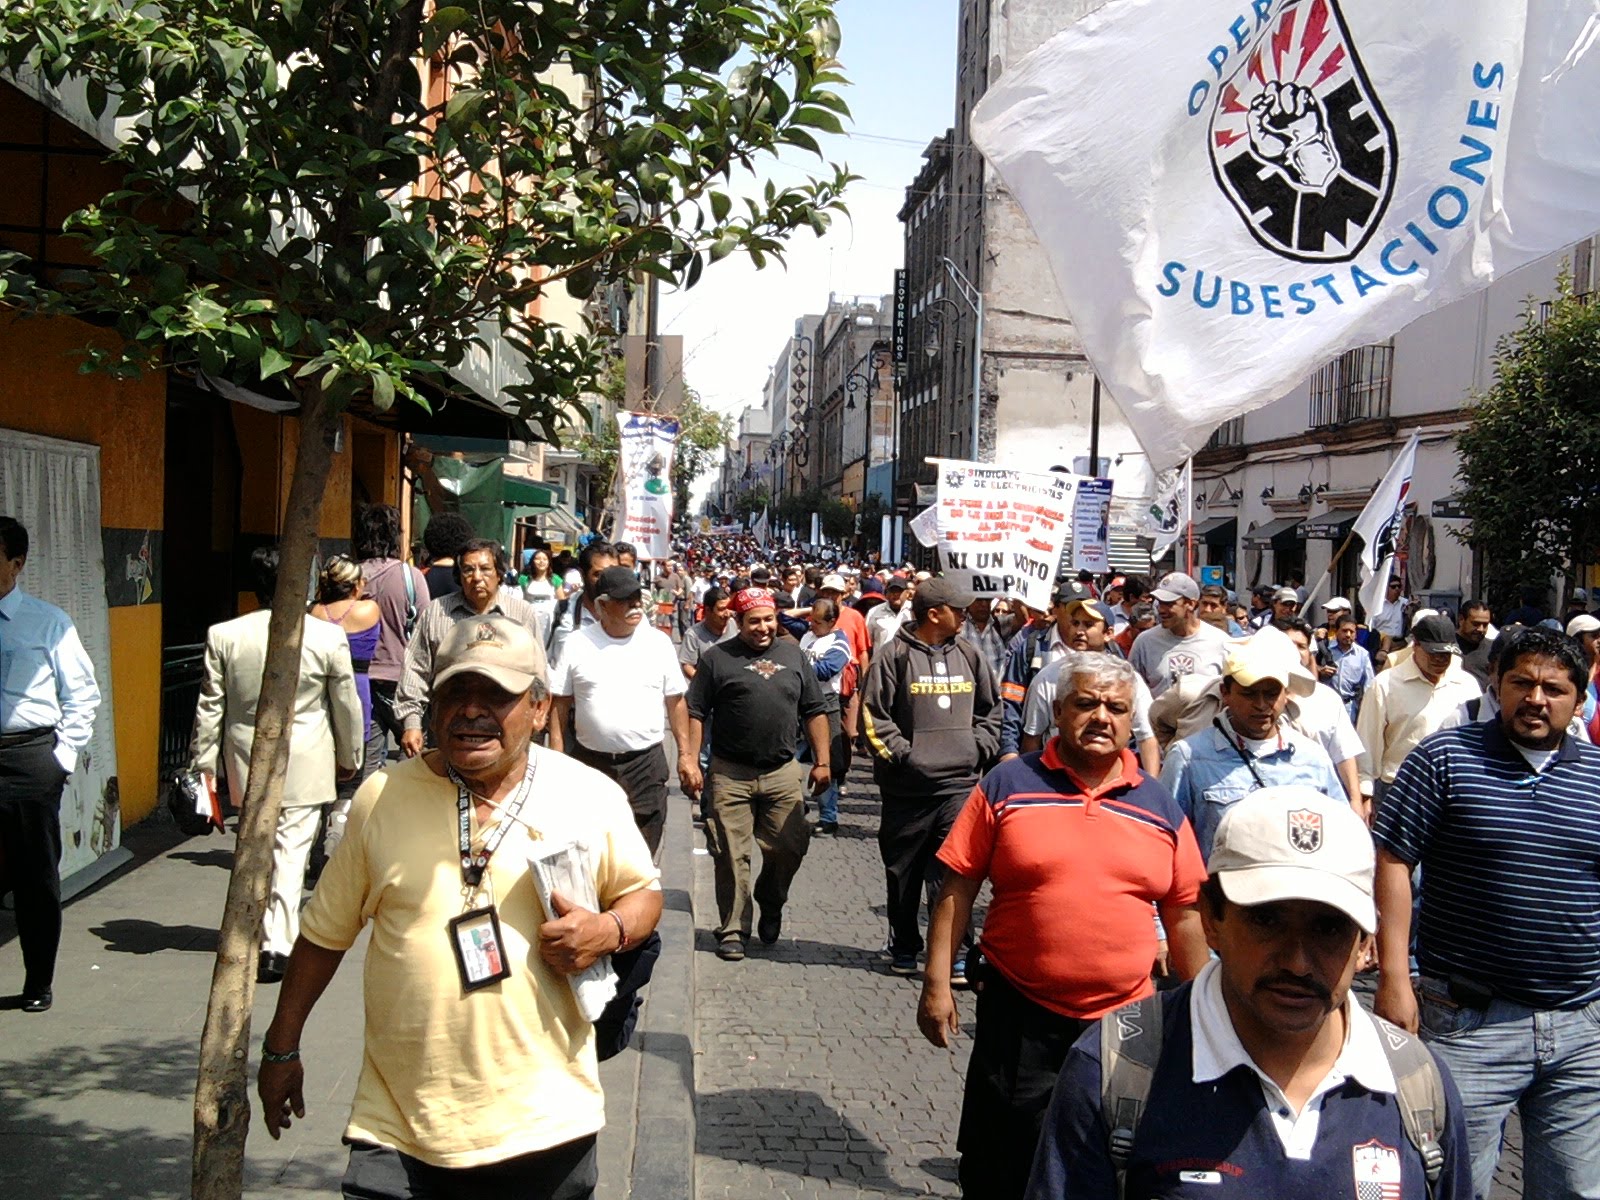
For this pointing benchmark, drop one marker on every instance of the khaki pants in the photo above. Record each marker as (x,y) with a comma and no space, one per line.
(770,807)
(280,924)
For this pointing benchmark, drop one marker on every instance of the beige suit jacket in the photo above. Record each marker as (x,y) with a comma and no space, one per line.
(326,735)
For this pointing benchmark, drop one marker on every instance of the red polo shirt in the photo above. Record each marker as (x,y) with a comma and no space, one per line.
(1074,872)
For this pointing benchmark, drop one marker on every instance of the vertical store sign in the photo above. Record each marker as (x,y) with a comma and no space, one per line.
(645,463)
(902,318)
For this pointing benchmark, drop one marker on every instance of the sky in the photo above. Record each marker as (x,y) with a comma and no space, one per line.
(900,57)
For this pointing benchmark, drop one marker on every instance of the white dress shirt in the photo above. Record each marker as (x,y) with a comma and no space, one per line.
(1400,709)
(46,678)
(619,686)
(1217,1050)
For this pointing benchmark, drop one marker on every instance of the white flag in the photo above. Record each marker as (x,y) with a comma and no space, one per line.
(1233,193)
(1171,509)
(1379,525)
(761,529)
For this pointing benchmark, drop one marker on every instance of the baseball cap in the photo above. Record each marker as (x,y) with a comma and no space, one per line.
(1176,586)
(498,648)
(1097,609)
(870,586)
(1294,843)
(1252,661)
(896,583)
(833,583)
(1117,581)
(1582,623)
(617,583)
(943,590)
(1436,635)
(1287,595)
(1069,590)
(1580,594)
(1338,604)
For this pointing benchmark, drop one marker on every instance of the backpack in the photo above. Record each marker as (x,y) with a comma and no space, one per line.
(1130,1048)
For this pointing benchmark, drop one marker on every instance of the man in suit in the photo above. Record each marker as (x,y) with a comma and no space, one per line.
(325,741)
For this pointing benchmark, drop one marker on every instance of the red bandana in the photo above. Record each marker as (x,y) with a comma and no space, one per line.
(750,598)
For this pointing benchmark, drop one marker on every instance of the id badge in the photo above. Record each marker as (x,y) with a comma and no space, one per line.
(479,949)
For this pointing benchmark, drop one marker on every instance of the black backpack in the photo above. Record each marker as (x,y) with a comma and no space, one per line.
(1130,1048)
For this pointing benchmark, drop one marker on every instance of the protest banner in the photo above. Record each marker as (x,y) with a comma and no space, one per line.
(1002,531)
(644,463)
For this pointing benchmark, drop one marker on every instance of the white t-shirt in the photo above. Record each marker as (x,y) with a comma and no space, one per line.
(1321,717)
(1161,656)
(619,686)
(884,622)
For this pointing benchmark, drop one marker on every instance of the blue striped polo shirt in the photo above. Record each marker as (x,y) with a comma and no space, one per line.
(1510,863)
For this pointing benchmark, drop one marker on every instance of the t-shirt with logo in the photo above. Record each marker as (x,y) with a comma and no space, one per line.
(1163,657)
(768,692)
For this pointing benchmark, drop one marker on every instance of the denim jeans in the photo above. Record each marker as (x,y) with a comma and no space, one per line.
(1544,1062)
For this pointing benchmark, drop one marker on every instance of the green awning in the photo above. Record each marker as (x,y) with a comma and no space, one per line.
(532,494)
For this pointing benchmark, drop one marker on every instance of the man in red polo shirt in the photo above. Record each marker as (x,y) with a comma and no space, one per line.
(1077,843)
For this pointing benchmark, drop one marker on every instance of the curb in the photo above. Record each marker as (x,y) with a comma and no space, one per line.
(664,1132)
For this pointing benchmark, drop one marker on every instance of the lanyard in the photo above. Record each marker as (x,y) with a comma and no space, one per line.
(1239,750)
(474,865)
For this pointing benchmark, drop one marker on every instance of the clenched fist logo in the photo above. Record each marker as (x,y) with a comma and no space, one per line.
(1289,130)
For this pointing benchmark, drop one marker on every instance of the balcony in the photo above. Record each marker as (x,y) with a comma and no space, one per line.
(1356,386)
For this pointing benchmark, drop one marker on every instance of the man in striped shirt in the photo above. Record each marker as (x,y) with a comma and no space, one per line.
(1503,817)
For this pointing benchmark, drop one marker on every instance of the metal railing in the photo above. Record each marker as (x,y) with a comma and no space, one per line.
(1356,386)
(182,669)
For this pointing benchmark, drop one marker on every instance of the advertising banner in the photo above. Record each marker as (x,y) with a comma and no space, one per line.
(645,467)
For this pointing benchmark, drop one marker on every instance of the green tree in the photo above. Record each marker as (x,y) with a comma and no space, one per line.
(838,520)
(1530,458)
(751,502)
(294,209)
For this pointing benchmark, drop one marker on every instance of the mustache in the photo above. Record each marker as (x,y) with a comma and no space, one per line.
(1304,982)
(482,728)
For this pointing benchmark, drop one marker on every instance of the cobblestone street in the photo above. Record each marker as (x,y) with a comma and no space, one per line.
(812,1079)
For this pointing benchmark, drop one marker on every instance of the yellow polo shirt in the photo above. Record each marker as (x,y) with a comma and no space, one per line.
(452,1078)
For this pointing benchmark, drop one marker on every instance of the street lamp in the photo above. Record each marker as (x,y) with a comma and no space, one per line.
(974,298)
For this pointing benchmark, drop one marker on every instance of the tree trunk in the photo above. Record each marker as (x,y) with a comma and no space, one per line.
(222,1092)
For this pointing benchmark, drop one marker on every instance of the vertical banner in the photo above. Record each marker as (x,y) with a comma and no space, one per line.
(1004,530)
(886,540)
(1170,510)
(1091,526)
(645,466)
(816,529)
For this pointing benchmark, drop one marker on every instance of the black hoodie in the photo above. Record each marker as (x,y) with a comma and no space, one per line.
(932,716)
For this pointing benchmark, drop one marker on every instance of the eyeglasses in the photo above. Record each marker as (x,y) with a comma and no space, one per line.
(489,570)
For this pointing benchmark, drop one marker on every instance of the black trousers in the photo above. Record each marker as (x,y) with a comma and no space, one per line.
(909,835)
(643,775)
(568,1172)
(31,782)
(1017,1051)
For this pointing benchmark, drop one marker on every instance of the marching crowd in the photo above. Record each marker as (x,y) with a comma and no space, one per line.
(1197,820)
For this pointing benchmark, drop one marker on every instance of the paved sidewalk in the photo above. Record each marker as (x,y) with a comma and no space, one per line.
(812,1079)
(96,1095)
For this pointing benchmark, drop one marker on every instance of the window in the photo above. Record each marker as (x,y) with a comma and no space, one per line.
(1229,433)
(1356,386)
(1583,264)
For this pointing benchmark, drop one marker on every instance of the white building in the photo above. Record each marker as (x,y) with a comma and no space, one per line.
(1277,490)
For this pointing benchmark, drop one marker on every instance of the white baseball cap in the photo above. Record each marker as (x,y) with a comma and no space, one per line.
(1269,654)
(1176,586)
(1582,623)
(1338,604)
(832,583)
(1294,843)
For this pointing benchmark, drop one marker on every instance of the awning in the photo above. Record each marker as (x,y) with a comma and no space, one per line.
(1332,526)
(531,493)
(1217,531)
(1272,530)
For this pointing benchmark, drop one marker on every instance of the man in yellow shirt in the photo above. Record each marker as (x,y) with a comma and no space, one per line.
(479,1075)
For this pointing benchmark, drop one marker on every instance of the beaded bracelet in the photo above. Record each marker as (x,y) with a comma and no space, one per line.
(288,1056)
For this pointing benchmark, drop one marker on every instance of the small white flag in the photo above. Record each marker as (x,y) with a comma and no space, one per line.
(1171,509)
(1380,524)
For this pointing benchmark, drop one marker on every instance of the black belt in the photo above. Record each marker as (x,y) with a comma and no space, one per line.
(24,737)
(607,756)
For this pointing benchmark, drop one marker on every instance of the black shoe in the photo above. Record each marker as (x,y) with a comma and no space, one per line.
(770,926)
(828,828)
(38,1002)
(270,968)
(731,949)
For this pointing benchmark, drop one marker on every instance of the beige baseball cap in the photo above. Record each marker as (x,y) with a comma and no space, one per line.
(495,647)
(1294,843)
(1269,654)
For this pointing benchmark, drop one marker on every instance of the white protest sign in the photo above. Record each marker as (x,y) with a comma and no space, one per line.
(1003,530)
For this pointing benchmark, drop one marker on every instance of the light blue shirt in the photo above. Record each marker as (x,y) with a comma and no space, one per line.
(1352,674)
(1206,775)
(46,678)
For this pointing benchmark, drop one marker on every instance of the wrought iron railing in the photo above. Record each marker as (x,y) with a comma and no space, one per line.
(1356,386)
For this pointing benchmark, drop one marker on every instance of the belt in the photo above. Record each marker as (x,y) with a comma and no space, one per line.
(608,756)
(362,665)
(24,737)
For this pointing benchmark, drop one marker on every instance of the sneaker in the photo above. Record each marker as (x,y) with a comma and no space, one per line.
(958,973)
(904,964)
(731,949)
(828,828)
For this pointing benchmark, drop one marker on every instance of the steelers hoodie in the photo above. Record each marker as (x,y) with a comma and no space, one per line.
(932,716)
